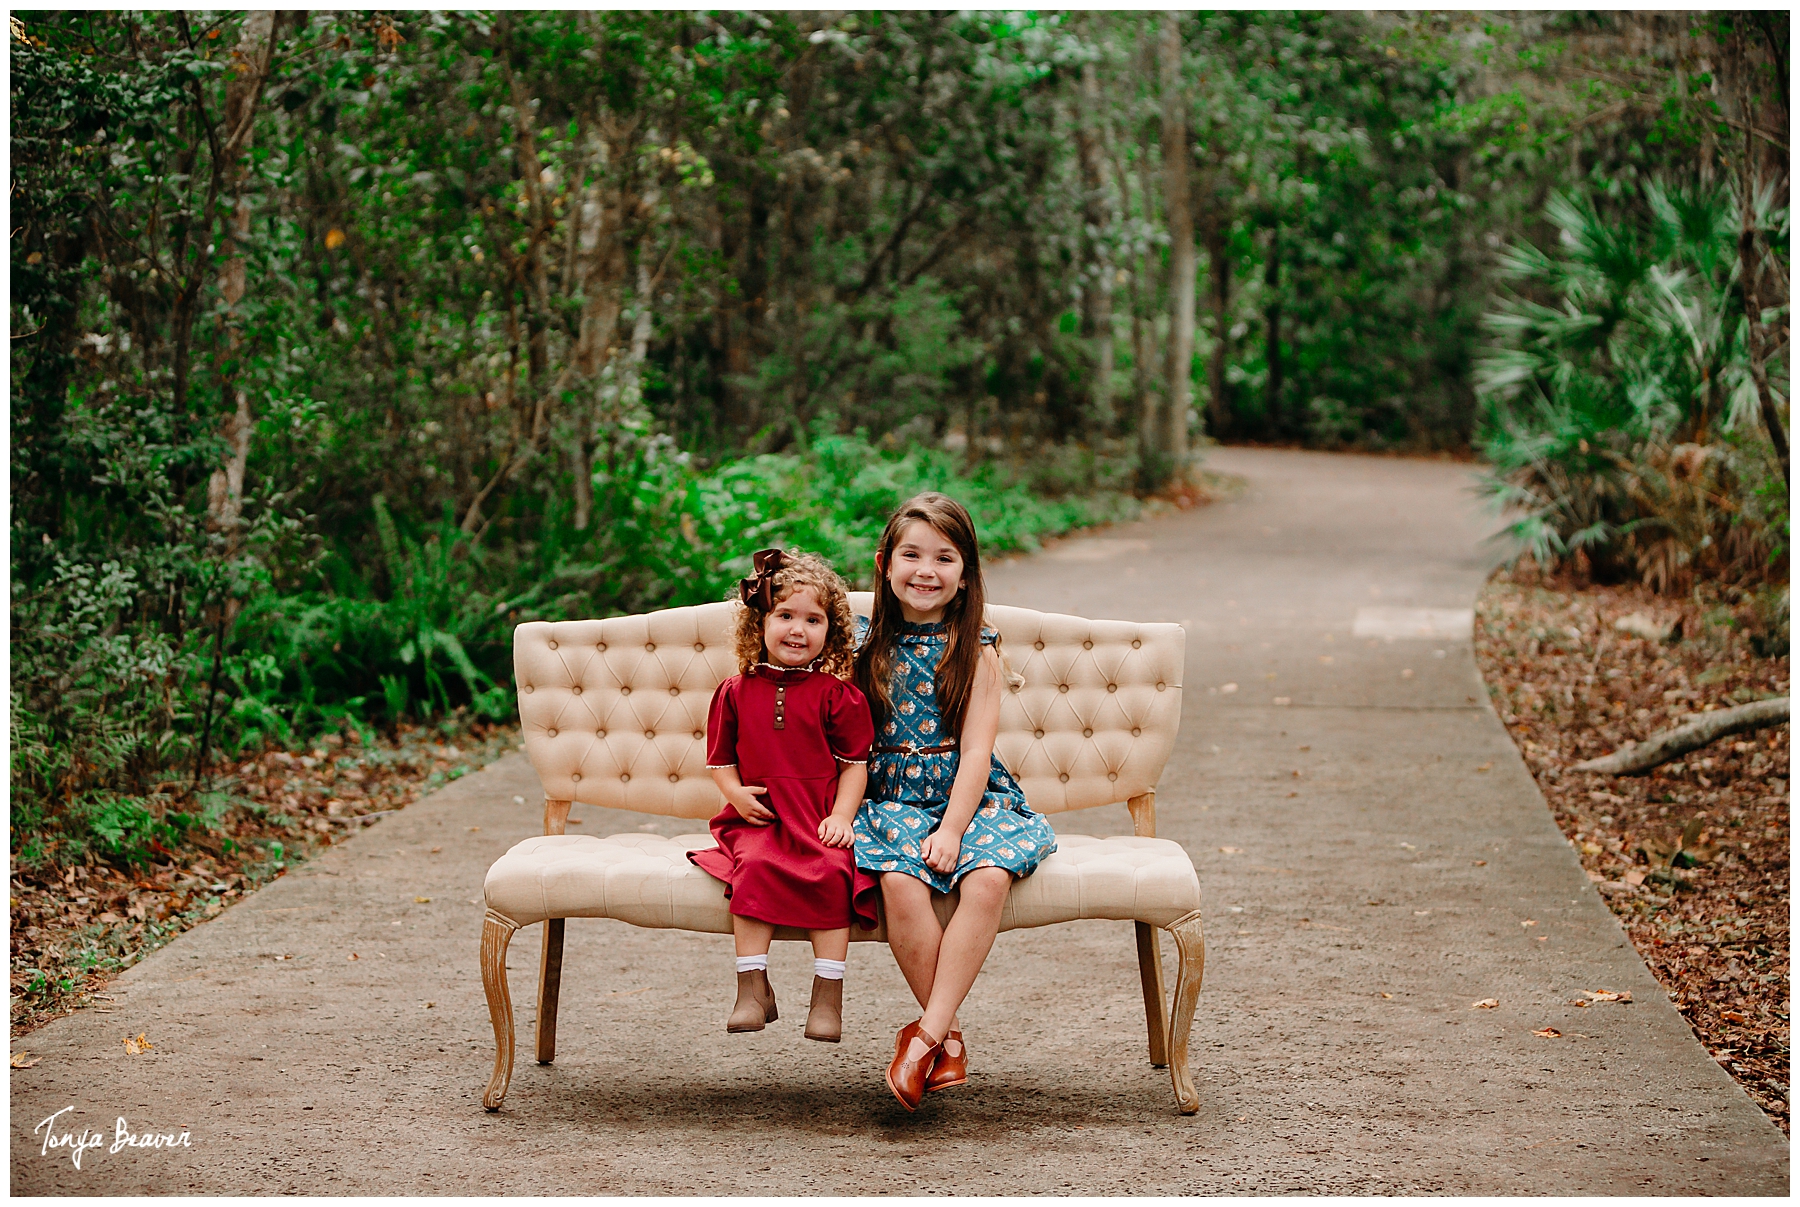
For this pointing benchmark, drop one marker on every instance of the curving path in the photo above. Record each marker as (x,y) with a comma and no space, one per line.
(1375,859)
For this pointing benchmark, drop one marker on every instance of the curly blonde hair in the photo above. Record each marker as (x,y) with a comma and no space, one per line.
(802,570)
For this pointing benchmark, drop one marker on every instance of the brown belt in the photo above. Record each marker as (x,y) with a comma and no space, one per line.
(950,745)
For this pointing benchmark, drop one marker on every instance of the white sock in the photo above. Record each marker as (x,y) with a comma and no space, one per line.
(753,963)
(830,970)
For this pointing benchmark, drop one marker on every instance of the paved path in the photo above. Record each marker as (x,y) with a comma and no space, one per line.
(1355,911)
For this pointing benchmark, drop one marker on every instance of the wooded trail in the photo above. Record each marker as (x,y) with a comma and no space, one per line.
(1375,859)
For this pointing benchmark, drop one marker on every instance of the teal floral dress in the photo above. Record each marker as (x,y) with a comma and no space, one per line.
(911,767)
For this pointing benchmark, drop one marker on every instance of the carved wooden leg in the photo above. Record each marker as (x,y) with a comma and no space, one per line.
(1190,943)
(1156,1010)
(496,934)
(549,990)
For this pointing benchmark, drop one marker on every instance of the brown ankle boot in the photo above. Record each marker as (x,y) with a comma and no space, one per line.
(825,1021)
(755,1002)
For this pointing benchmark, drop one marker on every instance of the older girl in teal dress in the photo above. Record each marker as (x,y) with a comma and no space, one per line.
(941,812)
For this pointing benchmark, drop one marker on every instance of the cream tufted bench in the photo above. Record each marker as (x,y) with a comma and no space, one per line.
(614,715)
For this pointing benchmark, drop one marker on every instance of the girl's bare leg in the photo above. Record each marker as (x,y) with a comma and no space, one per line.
(830,944)
(962,946)
(752,937)
(913,931)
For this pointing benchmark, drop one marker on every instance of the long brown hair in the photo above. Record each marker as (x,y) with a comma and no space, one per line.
(963,615)
(801,570)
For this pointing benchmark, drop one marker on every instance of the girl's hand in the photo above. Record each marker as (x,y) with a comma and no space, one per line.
(743,799)
(939,851)
(835,832)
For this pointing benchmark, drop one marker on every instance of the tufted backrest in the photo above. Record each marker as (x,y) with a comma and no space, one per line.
(614,711)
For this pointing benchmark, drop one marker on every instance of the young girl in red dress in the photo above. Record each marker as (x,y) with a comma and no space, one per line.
(788,746)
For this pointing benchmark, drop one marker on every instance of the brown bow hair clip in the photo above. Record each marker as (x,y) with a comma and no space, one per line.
(758,591)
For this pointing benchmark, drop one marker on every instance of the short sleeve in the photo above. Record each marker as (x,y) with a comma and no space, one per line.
(849,729)
(990,636)
(722,724)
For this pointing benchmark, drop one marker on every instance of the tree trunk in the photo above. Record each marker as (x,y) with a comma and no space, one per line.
(1176,172)
(1272,324)
(1219,258)
(255,53)
(1099,298)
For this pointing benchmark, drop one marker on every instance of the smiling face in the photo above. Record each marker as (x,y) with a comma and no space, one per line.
(794,633)
(924,572)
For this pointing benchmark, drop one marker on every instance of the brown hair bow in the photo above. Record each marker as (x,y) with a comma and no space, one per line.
(758,591)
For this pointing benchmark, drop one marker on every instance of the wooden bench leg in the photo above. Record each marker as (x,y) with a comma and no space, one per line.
(549,990)
(496,934)
(1156,1010)
(1190,943)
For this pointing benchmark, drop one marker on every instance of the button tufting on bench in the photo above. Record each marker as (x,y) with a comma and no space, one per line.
(1082,684)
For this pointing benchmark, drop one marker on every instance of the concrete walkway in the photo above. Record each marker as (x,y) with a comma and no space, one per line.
(1375,859)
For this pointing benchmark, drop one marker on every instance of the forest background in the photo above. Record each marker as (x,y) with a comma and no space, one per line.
(342,342)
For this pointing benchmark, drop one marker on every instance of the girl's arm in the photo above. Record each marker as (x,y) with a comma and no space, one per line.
(981,725)
(835,830)
(741,798)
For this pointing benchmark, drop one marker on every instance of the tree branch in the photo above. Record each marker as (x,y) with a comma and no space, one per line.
(1702,730)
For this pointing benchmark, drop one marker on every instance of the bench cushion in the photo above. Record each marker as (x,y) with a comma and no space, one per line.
(646,880)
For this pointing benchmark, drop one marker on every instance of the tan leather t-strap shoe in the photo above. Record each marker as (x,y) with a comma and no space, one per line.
(914,1053)
(952,1068)
(755,1002)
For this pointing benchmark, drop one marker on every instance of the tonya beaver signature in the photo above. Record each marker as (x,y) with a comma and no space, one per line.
(123,1138)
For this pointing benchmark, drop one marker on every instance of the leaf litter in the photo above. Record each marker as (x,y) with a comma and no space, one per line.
(1692,857)
(75,928)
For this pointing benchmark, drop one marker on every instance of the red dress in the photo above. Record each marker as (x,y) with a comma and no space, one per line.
(782,873)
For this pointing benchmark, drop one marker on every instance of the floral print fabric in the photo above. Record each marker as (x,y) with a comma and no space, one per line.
(909,790)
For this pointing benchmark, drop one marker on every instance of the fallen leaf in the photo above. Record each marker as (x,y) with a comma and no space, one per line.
(429,1005)
(421,900)
(1485,767)
(24,1060)
(1602,995)
(1529,922)
(138,1046)
(1547,1033)
(1406,674)
(1409,846)
(1225,689)
(354,956)
(1728,1015)
(1480,863)
(1486,1003)
(1580,1001)
(1283,701)
(574,821)
(1634,878)
(1232,850)
(435,850)
(1389,996)
(474,829)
